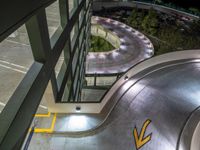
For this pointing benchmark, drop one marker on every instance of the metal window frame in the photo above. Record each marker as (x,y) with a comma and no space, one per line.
(18,114)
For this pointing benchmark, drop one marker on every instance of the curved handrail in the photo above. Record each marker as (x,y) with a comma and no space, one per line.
(115,43)
(98,107)
(139,3)
(173,56)
(190,132)
(137,73)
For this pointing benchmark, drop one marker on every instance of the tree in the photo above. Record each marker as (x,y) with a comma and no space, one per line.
(195,27)
(157,2)
(132,19)
(150,22)
(136,18)
(194,11)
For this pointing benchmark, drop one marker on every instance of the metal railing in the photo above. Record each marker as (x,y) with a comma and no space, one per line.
(158,4)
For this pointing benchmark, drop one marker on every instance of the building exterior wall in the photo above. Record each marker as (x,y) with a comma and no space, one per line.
(76,48)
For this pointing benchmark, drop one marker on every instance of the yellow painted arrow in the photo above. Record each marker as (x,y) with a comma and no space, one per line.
(139,139)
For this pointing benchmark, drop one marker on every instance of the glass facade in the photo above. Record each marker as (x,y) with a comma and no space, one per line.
(79,22)
(43,56)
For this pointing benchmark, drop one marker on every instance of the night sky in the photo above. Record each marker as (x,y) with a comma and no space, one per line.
(186,3)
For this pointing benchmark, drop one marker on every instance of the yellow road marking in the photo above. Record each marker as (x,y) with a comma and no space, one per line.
(43,115)
(47,130)
(139,139)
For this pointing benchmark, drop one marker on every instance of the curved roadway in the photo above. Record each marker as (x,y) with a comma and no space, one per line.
(134,48)
(168,94)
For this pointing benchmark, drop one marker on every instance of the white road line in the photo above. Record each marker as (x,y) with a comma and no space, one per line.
(24,72)
(17,42)
(13,69)
(7,67)
(19,66)
(2,104)
(42,106)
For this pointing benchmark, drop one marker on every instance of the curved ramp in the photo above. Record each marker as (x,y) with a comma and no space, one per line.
(165,93)
(168,95)
(134,48)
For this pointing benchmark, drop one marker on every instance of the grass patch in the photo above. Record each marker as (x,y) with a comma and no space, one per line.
(99,44)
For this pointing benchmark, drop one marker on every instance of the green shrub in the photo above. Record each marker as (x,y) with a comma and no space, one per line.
(98,44)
